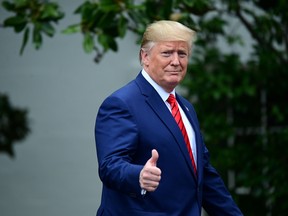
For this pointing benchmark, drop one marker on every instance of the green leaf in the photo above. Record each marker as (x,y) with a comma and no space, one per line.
(87,11)
(20,27)
(113,44)
(21,3)
(37,37)
(25,39)
(81,8)
(106,20)
(8,6)
(234,39)
(108,42)
(88,42)
(166,9)
(48,29)
(122,26)
(189,2)
(72,29)
(15,20)
(109,5)
(51,11)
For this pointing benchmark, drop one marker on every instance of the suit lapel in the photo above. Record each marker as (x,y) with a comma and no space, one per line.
(159,107)
(197,135)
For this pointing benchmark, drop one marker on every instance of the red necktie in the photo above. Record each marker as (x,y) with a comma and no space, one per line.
(177,116)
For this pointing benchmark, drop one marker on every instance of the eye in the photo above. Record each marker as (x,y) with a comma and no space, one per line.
(166,53)
(182,54)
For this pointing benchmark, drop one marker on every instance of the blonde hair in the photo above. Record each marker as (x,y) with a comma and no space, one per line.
(166,30)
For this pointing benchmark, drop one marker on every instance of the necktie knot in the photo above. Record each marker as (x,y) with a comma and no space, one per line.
(171,99)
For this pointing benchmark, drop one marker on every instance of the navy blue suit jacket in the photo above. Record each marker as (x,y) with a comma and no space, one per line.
(130,123)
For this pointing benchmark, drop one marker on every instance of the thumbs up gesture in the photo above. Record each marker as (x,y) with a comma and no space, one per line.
(150,175)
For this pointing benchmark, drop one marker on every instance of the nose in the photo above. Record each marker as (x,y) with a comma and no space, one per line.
(175,59)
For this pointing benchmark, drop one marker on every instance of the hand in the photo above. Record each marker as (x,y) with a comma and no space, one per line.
(150,175)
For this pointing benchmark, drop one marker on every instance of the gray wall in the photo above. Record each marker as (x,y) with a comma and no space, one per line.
(55,169)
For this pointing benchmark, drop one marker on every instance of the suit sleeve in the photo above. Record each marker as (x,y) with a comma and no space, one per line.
(116,143)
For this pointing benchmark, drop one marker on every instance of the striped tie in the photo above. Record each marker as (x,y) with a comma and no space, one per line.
(177,116)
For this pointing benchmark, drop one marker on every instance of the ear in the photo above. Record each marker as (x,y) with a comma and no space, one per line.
(144,57)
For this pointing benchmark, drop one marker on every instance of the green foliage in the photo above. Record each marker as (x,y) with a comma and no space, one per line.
(241,104)
(104,21)
(34,14)
(13,125)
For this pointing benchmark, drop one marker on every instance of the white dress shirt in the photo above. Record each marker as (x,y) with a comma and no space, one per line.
(164,95)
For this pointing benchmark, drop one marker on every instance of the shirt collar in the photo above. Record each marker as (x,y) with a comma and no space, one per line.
(163,94)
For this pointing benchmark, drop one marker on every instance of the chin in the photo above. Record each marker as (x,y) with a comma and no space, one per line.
(173,84)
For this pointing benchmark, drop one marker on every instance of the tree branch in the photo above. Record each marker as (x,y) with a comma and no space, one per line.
(256,36)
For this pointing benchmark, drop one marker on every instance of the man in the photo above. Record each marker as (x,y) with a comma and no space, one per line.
(152,158)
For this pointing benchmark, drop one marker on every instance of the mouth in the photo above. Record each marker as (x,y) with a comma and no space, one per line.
(178,71)
(174,73)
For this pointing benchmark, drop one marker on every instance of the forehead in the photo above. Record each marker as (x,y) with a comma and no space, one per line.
(175,45)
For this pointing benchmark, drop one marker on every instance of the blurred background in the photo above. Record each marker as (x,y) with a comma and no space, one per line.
(54,170)
(60,59)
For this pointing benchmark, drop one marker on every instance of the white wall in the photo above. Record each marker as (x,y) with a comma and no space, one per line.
(55,169)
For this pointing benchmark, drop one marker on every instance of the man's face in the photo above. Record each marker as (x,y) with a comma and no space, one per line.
(166,63)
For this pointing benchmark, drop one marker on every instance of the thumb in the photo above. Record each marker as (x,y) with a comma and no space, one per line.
(154,157)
